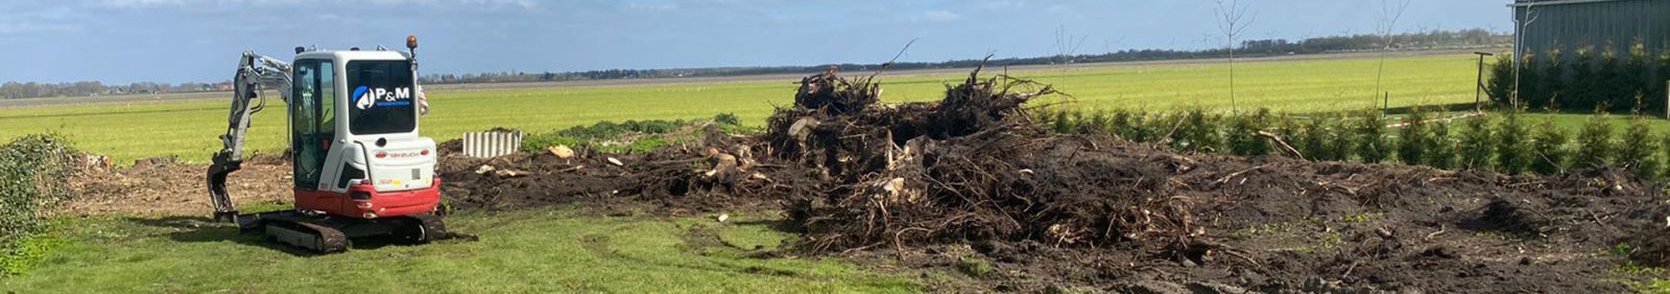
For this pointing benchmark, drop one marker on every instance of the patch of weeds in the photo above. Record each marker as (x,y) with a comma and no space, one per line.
(727,119)
(611,137)
(268,206)
(537,143)
(1632,268)
(1621,250)
(1331,239)
(974,267)
(29,251)
(1657,286)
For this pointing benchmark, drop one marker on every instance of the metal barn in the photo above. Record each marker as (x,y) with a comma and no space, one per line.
(1541,25)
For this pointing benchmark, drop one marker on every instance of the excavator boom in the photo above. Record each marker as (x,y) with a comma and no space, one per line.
(254,73)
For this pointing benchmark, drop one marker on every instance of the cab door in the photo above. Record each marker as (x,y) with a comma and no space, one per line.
(312,119)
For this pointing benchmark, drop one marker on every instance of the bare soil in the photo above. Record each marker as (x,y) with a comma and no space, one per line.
(166,187)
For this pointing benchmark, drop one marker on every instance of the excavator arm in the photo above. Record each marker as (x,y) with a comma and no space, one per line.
(254,73)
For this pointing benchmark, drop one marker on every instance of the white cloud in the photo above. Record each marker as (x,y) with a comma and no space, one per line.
(1000,4)
(517,3)
(653,6)
(23,27)
(175,3)
(939,16)
(139,3)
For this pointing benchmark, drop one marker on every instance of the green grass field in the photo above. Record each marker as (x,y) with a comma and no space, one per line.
(557,250)
(129,131)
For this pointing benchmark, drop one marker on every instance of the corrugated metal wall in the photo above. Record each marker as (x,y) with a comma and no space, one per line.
(1597,24)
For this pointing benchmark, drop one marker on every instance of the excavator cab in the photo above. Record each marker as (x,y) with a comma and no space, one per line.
(360,166)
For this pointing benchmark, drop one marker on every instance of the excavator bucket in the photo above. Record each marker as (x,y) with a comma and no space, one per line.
(224,210)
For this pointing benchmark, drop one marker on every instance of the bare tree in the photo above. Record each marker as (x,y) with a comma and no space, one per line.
(1388,21)
(1520,24)
(1067,45)
(1234,20)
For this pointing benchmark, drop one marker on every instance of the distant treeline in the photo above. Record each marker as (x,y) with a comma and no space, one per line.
(11,90)
(1438,39)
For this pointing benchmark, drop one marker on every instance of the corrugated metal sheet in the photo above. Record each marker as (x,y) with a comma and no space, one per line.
(491,144)
(1568,25)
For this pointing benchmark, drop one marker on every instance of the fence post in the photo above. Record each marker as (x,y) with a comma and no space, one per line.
(1385,104)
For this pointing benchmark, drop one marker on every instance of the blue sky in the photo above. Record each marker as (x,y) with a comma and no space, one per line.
(122,41)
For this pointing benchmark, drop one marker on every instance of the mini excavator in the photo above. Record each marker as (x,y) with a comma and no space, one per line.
(360,167)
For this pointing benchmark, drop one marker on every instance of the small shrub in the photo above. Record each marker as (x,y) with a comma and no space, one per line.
(1063,123)
(1639,149)
(974,267)
(1287,129)
(1096,124)
(1664,145)
(1044,118)
(1243,134)
(1549,148)
(1413,143)
(1199,132)
(1595,142)
(1147,127)
(1341,138)
(727,119)
(1371,138)
(1500,86)
(1442,148)
(1122,124)
(1475,143)
(1313,138)
(1513,145)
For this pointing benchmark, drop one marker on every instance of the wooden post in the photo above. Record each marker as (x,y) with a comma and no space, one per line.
(1385,104)
(1478,86)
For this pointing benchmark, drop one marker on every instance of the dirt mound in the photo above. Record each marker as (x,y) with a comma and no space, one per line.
(969,167)
(166,186)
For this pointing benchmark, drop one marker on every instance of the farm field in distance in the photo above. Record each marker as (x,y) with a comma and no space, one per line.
(188,129)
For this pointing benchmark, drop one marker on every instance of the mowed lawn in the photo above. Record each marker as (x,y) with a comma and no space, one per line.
(558,250)
(129,131)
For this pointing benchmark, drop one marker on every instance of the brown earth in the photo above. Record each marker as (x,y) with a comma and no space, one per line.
(969,183)
(166,187)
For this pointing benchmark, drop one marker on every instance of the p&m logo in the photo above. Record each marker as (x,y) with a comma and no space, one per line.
(367,98)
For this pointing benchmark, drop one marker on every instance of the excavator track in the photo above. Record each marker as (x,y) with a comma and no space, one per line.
(422,229)
(301,233)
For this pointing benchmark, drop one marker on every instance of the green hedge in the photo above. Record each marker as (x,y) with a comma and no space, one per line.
(1502,142)
(603,136)
(1616,79)
(34,170)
